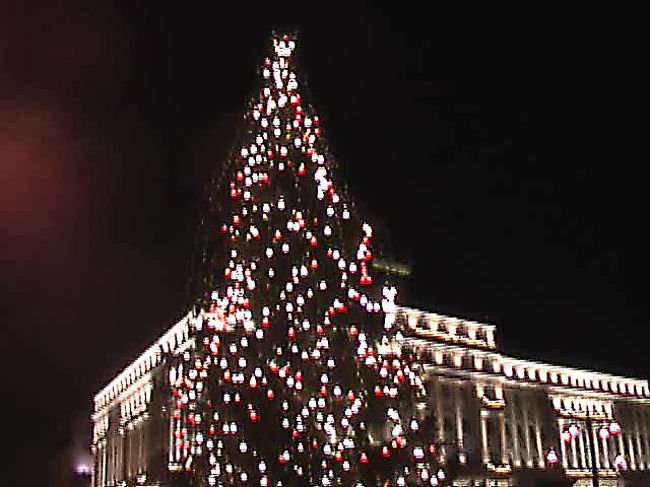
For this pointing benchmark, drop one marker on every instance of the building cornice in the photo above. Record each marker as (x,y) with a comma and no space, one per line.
(483,364)
(459,346)
(170,342)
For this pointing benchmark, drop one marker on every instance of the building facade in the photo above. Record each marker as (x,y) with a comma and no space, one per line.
(499,420)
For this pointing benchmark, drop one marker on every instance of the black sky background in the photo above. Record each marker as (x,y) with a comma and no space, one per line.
(502,149)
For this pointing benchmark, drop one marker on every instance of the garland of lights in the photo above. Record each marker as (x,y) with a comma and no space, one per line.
(298,376)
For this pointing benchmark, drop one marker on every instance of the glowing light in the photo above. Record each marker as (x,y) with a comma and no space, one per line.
(620,463)
(552,457)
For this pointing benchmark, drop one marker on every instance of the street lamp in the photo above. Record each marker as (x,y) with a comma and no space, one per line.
(620,463)
(607,429)
(552,457)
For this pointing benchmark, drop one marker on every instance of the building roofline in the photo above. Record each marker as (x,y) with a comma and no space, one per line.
(530,372)
(513,368)
(169,341)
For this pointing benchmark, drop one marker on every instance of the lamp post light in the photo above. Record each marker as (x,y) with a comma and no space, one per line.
(606,430)
(552,457)
(590,442)
(620,463)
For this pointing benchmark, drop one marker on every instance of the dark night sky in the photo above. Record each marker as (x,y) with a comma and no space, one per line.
(502,150)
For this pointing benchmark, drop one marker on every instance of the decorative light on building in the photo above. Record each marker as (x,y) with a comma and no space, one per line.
(614,428)
(620,463)
(552,457)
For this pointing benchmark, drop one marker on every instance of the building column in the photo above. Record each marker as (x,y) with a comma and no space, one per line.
(613,447)
(441,420)
(583,457)
(515,434)
(111,461)
(590,454)
(97,481)
(646,439)
(574,453)
(643,430)
(605,453)
(540,447)
(135,465)
(538,439)
(104,464)
(120,452)
(143,448)
(484,438)
(140,449)
(637,437)
(459,425)
(596,454)
(529,456)
(631,451)
(502,427)
(565,461)
(621,447)
(132,452)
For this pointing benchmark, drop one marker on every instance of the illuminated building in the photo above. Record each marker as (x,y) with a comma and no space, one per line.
(500,416)
(508,415)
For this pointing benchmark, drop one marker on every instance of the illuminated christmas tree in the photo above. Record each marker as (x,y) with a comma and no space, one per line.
(297,376)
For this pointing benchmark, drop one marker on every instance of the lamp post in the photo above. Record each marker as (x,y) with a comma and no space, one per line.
(605,431)
(590,438)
